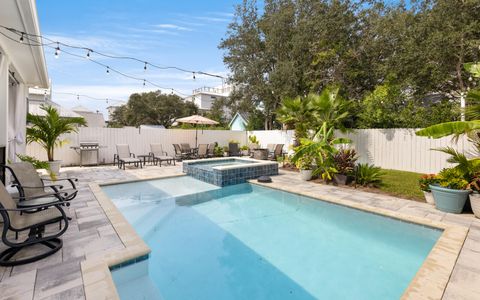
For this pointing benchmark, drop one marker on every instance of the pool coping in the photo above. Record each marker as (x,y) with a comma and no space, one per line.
(429,282)
(432,277)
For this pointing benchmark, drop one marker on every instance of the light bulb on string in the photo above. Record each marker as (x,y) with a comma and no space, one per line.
(144,81)
(145,67)
(193,75)
(107,100)
(78,97)
(88,53)
(21,38)
(57,50)
(108,69)
(172,91)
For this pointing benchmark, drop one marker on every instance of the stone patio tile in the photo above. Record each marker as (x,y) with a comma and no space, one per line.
(92,221)
(88,211)
(458,219)
(52,260)
(75,293)
(20,286)
(58,279)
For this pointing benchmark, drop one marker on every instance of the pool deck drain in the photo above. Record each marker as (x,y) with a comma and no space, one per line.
(92,242)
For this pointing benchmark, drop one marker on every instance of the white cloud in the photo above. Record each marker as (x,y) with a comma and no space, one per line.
(173,26)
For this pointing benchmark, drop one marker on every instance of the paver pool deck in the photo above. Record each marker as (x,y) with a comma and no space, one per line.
(90,234)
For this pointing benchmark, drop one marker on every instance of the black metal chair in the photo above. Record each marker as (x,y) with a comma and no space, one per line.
(233,149)
(33,219)
(124,156)
(180,154)
(29,184)
(277,152)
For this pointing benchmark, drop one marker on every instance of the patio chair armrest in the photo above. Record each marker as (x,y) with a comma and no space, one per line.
(59,194)
(132,155)
(53,186)
(72,180)
(29,208)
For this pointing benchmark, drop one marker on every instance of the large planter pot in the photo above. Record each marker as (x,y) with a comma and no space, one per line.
(475,203)
(449,200)
(340,179)
(55,167)
(306,174)
(225,154)
(428,197)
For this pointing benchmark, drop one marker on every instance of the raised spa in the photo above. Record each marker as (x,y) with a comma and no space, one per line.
(228,171)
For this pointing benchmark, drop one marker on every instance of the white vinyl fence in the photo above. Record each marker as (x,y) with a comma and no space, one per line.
(138,139)
(398,149)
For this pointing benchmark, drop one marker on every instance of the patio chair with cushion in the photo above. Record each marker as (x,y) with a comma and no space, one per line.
(33,219)
(277,152)
(233,149)
(28,183)
(271,148)
(187,149)
(202,151)
(156,151)
(211,150)
(179,154)
(124,156)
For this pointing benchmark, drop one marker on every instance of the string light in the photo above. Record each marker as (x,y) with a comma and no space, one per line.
(145,67)
(21,38)
(193,75)
(41,38)
(78,97)
(108,69)
(144,82)
(88,54)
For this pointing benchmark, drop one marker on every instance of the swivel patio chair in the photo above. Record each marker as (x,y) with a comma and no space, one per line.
(202,151)
(156,151)
(29,184)
(233,149)
(211,150)
(124,156)
(32,219)
(180,154)
(187,149)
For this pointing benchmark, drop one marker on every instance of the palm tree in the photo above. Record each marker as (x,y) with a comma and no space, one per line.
(296,113)
(46,130)
(329,108)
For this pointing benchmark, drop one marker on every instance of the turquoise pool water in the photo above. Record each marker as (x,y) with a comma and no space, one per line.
(249,242)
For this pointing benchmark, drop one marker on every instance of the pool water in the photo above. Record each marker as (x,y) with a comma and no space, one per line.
(250,242)
(208,165)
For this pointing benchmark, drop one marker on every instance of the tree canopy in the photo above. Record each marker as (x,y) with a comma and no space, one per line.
(400,64)
(152,108)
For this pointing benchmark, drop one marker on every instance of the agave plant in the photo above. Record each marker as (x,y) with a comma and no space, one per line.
(46,130)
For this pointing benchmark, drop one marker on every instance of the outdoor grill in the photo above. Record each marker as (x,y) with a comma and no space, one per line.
(89,152)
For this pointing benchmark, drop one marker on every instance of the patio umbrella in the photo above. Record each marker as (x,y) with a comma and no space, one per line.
(196,119)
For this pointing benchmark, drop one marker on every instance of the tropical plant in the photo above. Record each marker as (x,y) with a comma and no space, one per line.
(452,178)
(368,175)
(426,180)
(218,151)
(322,148)
(244,148)
(344,161)
(296,113)
(46,130)
(37,164)
(253,139)
(467,167)
(329,108)
(305,162)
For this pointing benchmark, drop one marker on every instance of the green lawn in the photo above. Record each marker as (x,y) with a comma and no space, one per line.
(402,184)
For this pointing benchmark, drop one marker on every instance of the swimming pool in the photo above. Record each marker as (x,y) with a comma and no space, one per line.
(250,242)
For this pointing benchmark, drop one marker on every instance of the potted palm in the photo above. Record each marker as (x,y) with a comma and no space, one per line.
(46,131)
(450,193)
(425,181)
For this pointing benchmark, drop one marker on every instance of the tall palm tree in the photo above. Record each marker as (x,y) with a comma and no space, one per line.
(329,108)
(46,130)
(296,113)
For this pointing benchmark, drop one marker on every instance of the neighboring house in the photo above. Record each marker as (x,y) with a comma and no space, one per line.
(205,96)
(21,66)
(111,110)
(38,97)
(93,119)
(239,122)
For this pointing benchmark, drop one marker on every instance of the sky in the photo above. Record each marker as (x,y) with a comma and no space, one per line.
(178,33)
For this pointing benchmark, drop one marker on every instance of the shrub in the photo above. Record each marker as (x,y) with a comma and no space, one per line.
(426,180)
(253,139)
(368,175)
(218,151)
(304,163)
(244,148)
(37,164)
(344,161)
(452,178)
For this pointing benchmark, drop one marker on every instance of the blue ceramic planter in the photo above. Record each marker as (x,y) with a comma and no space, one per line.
(449,200)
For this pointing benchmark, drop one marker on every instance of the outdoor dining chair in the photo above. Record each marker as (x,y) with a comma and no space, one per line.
(211,150)
(28,183)
(124,156)
(32,220)
(156,151)
(233,149)
(180,154)
(202,151)
(277,152)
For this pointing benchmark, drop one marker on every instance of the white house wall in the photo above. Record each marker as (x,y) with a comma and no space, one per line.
(3,100)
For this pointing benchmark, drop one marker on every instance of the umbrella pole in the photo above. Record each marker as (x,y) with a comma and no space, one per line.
(196,136)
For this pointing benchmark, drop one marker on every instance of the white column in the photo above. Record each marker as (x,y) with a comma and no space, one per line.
(20,121)
(3,100)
